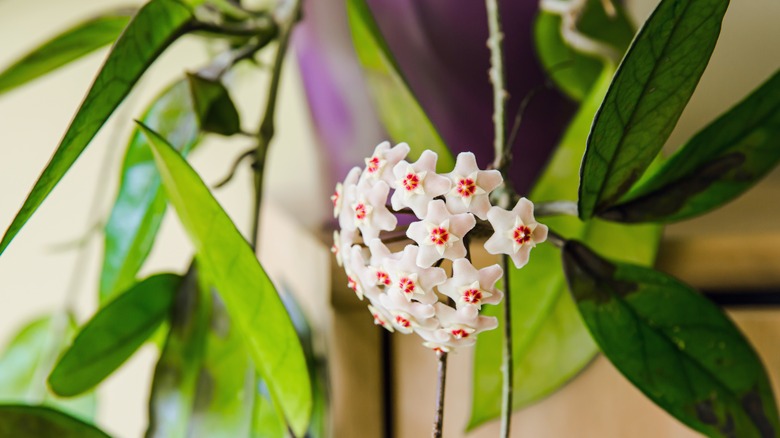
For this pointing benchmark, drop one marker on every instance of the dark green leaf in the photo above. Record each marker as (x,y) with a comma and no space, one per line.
(140,203)
(676,346)
(573,72)
(398,109)
(114,334)
(155,27)
(248,293)
(29,358)
(174,387)
(718,164)
(215,109)
(40,421)
(65,48)
(651,87)
(550,342)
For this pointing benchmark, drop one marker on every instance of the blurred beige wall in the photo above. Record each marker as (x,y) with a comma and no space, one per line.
(35,275)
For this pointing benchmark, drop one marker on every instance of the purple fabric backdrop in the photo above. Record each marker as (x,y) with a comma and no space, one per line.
(440,47)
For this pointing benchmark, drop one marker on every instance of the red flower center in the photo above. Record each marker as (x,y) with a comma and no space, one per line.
(466,187)
(439,236)
(403,322)
(472,296)
(383,278)
(411,181)
(521,234)
(406,285)
(361,211)
(352,284)
(378,319)
(460,333)
(372,165)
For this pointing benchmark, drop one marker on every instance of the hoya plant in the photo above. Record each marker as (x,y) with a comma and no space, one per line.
(414,221)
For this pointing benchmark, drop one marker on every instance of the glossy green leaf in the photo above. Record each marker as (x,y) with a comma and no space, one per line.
(250,297)
(175,382)
(400,112)
(267,422)
(550,342)
(140,204)
(65,48)
(114,334)
(225,387)
(573,72)
(153,29)
(40,421)
(29,358)
(718,164)
(673,344)
(215,109)
(651,87)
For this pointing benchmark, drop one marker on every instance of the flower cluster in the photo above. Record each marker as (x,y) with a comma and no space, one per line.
(401,287)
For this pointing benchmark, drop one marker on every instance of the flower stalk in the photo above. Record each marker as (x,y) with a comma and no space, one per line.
(438,422)
(502,159)
(496,73)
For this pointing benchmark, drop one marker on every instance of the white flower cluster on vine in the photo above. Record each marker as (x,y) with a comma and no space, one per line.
(401,287)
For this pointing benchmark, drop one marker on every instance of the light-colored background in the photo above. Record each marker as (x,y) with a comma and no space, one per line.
(36,273)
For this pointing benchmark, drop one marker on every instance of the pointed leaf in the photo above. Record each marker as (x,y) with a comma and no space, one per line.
(65,48)
(399,110)
(155,27)
(250,297)
(718,164)
(28,359)
(651,87)
(140,204)
(114,334)
(673,344)
(550,343)
(215,109)
(41,421)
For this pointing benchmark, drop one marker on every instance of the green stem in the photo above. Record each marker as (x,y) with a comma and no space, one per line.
(267,127)
(502,152)
(508,362)
(502,159)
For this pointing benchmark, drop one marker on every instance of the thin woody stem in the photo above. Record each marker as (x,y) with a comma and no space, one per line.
(438,422)
(502,159)
(267,127)
(508,362)
(502,152)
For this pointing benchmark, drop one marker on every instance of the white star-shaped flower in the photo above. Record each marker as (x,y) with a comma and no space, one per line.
(408,315)
(382,317)
(462,325)
(356,270)
(368,211)
(379,166)
(344,197)
(471,287)
(440,234)
(417,184)
(471,186)
(515,232)
(413,281)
